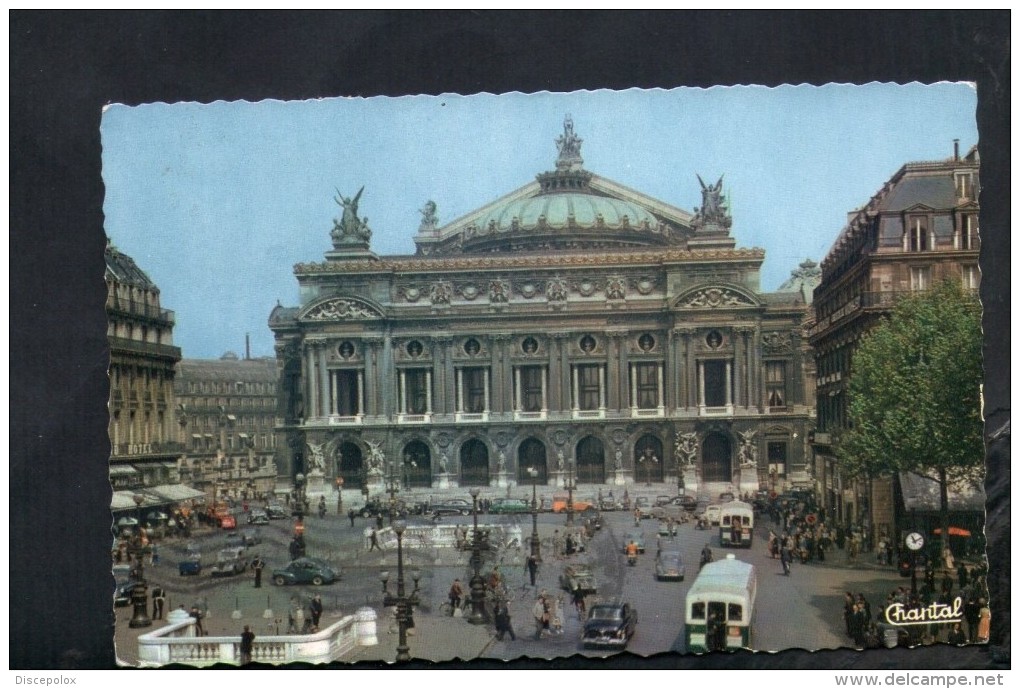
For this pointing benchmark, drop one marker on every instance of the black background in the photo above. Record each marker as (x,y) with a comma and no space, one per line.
(65,66)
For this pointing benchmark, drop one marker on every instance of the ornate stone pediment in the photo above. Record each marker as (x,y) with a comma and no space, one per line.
(715,297)
(341,309)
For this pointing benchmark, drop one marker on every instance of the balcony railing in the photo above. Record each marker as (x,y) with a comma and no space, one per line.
(414,418)
(133,307)
(726,410)
(480,417)
(346,420)
(122,344)
(644,413)
(599,413)
(530,415)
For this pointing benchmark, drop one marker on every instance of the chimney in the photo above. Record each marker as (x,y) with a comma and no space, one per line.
(956,150)
(247,346)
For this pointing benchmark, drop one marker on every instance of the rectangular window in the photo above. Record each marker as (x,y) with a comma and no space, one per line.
(969,231)
(531,388)
(970,277)
(715,384)
(965,185)
(646,386)
(698,611)
(735,612)
(417,380)
(918,234)
(474,390)
(347,393)
(588,390)
(776,452)
(775,383)
(920,279)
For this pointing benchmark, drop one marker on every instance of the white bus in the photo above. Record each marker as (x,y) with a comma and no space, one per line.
(719,610)
(736,524)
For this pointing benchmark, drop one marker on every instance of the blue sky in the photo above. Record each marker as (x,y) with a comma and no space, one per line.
(217,202)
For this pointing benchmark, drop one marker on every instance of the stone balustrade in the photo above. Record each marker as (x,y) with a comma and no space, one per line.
(178,643)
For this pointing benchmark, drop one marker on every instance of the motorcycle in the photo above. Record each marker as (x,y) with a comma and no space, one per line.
(632,560)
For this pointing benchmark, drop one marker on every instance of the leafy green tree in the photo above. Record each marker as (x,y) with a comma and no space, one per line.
(915,393)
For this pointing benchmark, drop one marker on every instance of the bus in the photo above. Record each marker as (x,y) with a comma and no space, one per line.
(719,609)
(736,524)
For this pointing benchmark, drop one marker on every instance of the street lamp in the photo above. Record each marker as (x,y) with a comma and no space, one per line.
(478,615)
(571,478)
(299,496)
(403,604)
(140,593)
(339,495)
(392,487)
(536,546)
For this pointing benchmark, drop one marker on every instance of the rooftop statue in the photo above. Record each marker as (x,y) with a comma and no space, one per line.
(429,219)
(350,229)
(713,204)
(569,146)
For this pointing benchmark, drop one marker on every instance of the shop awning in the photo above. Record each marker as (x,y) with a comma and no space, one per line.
(123,470)
(174,492)
(922,494)
(125,500)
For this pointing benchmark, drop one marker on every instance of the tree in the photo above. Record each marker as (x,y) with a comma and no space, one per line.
(915,393)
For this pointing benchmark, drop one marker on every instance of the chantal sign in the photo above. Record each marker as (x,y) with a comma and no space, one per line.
(936,613)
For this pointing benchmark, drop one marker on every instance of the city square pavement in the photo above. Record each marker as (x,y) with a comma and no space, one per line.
(803,610)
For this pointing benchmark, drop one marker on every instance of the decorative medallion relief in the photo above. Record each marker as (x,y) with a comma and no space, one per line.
(411,350)
(643,285)
(616,288)
(411,294)
(440,293)
(586,287)
(529,290)
(341,310)
(499,291)
(468,290)
(777,342)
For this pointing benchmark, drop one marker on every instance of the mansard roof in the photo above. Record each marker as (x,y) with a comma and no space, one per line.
(122,268)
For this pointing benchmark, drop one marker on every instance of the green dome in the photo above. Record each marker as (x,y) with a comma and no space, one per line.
(561,210)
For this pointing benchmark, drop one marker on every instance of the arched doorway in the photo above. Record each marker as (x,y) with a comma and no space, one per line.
(350,465)
(591,461)
(474,463)
(417,466)
(531,455)
(716,458)
(649,462)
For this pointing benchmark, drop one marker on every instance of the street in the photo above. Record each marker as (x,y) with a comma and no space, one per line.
(802,610)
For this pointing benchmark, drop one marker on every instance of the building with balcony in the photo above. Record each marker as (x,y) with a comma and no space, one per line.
(574,329)
(920,227)
(226,419)
(144,447)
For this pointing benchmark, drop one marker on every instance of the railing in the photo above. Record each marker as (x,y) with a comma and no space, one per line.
(123,344)
(716,411)
(346,420)
(590,413)
(530,415)
(177,643)
(133,307)
(472,416)
(414,418)
(655,411)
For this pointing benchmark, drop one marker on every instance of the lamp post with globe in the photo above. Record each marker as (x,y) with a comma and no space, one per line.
(536,545)
(140,592)
(478,614)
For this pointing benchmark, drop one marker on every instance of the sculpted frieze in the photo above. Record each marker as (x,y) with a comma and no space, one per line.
(776,342)
(714,298)
(341,310)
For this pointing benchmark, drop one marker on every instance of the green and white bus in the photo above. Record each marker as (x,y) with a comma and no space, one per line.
(736,524)
(719,610)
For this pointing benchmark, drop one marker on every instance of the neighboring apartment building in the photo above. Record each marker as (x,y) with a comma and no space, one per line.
(143,439)
(921,227)
(574,328)
(226,416)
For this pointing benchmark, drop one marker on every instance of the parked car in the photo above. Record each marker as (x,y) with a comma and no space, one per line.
(688,502)
(228,521)
(275,511)
(451,506)
(306,570)
(258,517)
(245,538)
(122,593)
(661,500)
(669,564)
(375,507)
(644,506)
(230,561)
(579,575)
(560,500)
(637,537)
(608,504)
(509,506)
(609,624)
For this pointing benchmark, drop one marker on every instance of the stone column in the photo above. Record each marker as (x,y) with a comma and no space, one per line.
(311,409)
(324,401)
(661,385)
(334,398)
(701,384)
(444,375)
(403,392)
(602,387)
(485,386)
(460,390)
(740,370)
(756,387)
(574,388)
(633,388)
(428,392)
(361,392)
(729,382)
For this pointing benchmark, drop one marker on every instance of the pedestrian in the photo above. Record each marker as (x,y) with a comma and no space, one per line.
(292,618)
(956,636)
(570,544)
(247,644)
(503,625)
(948,560)
(539,613)
(294,548)
(984,627)
(786,559)
(373,538)
(257,565)
(532,566)
(316,609)
(379,521)
(158,600)
(848,612)
(154,556)
(455,595)
(577,597)
(299,619)
(972,615)
(350,515)
(196,614)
